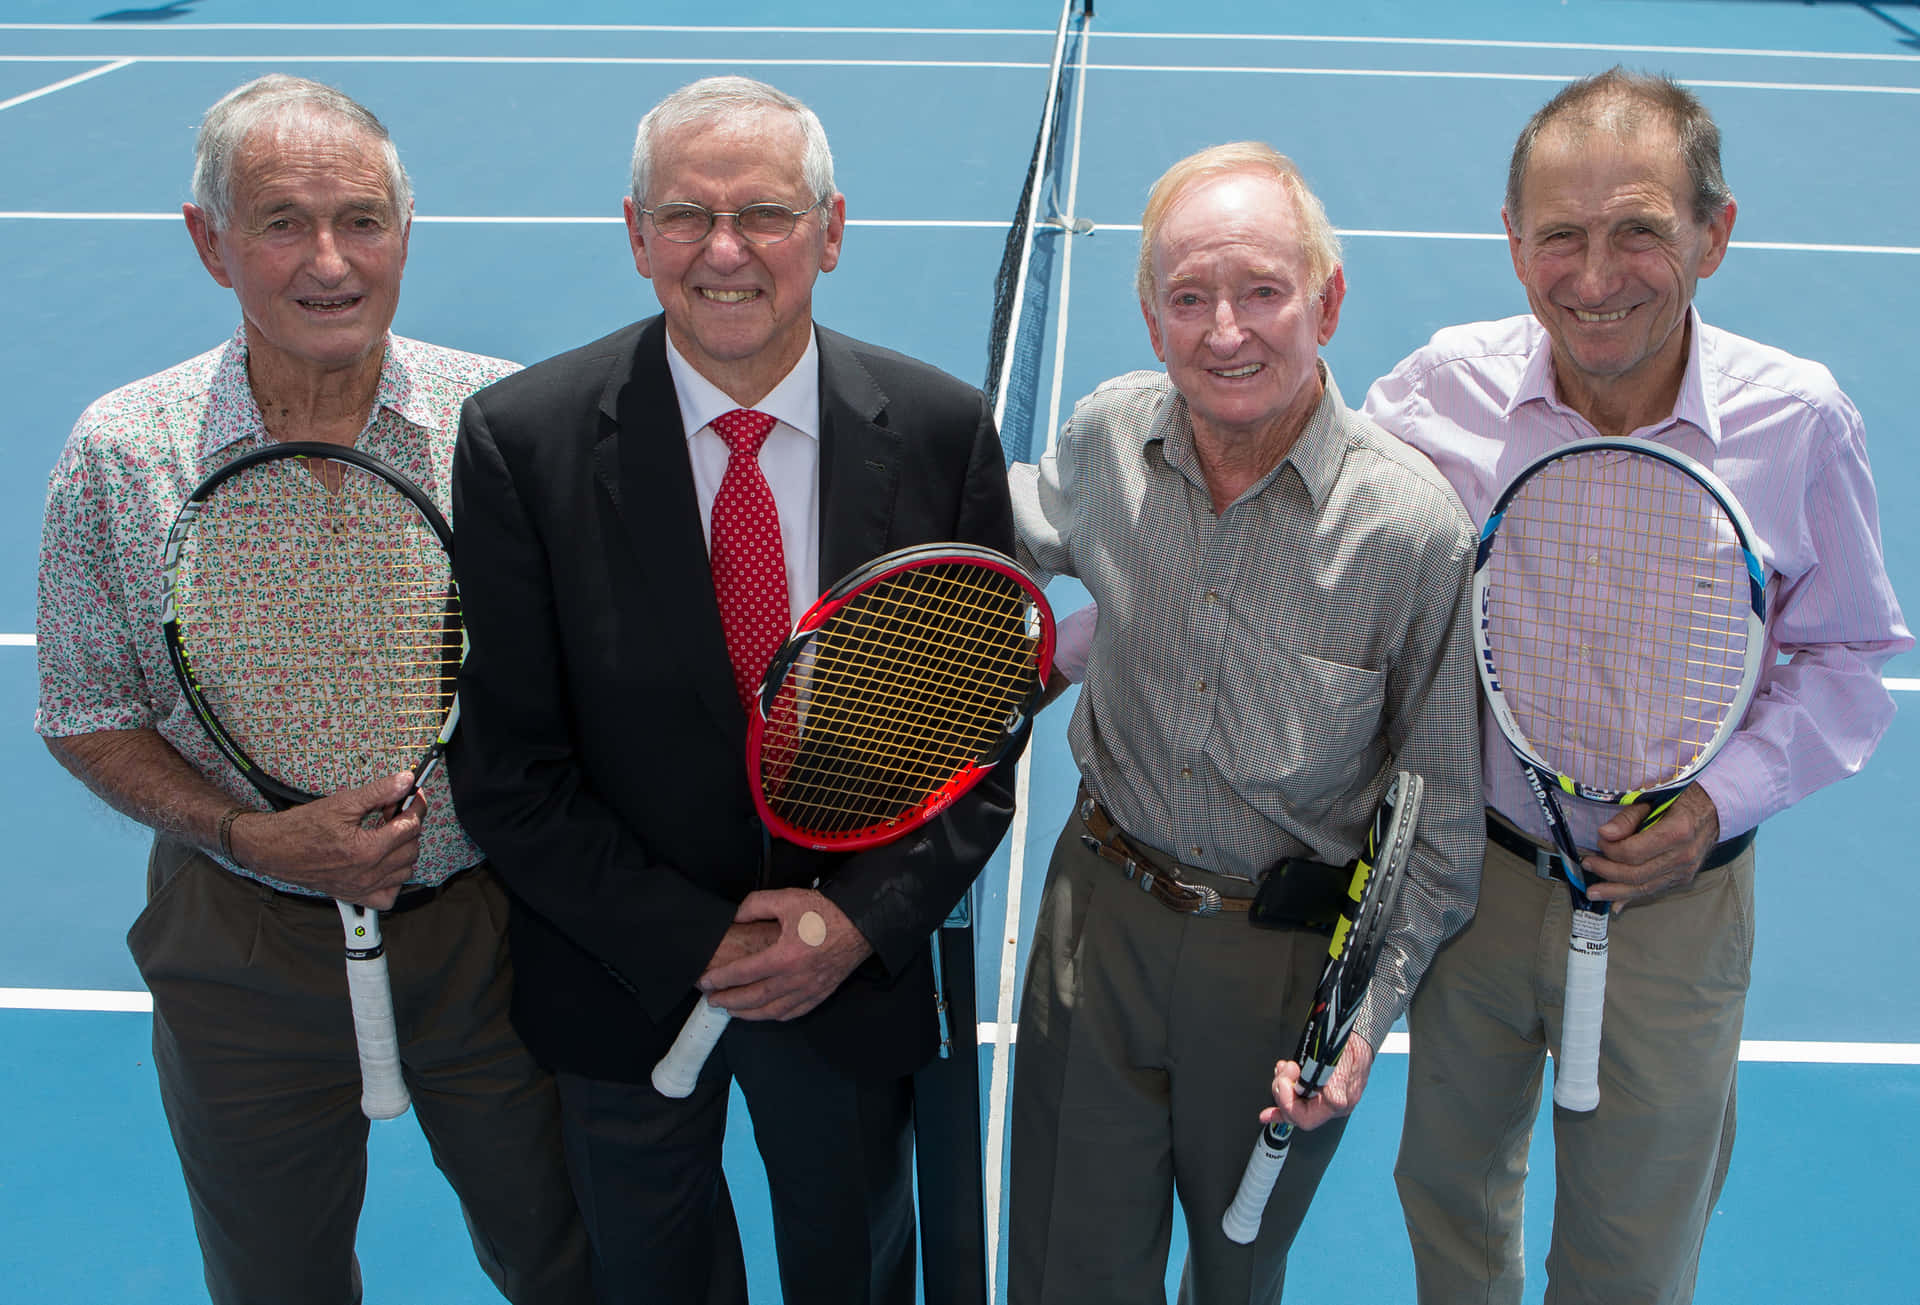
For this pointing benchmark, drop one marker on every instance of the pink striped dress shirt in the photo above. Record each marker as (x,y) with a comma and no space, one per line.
(1480,401)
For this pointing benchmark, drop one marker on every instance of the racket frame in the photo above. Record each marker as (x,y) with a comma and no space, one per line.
(815,619)
(281,794)
(1540,770)
(677,1072)
(1576,1063)
(1353,954)
(383,1088)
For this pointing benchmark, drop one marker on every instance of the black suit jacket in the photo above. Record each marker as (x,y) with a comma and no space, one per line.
(600,759)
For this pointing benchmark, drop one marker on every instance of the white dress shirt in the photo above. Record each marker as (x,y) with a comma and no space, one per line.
(790,459)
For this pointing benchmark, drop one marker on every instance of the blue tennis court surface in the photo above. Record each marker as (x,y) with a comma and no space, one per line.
(516,122)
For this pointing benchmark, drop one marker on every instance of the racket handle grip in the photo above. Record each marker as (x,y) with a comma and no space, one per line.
(1241,1222)
(383,1090)
(1576,1072)
(679,1069)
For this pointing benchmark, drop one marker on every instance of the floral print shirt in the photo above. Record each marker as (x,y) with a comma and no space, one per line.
(131,461)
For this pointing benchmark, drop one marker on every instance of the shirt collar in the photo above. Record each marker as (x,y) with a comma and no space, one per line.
(234,414)
(1316,454)
(1693,405)
(795,401)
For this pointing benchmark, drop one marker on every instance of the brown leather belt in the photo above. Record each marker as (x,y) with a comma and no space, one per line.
(1159,881)
(1547,862)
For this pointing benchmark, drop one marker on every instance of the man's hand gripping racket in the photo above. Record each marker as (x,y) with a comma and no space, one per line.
(1621,638)
(897,692)
(311,617)
(1352,955)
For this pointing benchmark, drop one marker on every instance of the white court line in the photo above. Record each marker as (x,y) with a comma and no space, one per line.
(62,84)
(74,999)
(1439,74)
(128,28)
(1894,683)
(1429,74)
(1755,1050)
(1751,1050)
(1438,42)
(1001,1062)
(1775,246)
(997,1102)
(451,219)
(558,59)
(32,215)
(983,224)
(1469,43)
(998,224)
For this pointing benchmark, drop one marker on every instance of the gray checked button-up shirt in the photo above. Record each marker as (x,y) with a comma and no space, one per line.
(1258,675)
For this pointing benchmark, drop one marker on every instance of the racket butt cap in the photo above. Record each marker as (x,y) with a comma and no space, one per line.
(669,1084)
(1580,1097)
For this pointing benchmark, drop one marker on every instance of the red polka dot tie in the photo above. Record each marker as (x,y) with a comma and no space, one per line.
(749,566)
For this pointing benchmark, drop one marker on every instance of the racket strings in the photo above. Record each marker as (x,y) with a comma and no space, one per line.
(320,621)
(907,640)
(908,685)
(1618,618)
(893,746)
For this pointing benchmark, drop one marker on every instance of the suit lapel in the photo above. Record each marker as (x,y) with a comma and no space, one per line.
(859,461)
(642,464)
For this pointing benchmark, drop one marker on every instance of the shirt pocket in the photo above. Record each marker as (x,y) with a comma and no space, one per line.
(1310,730)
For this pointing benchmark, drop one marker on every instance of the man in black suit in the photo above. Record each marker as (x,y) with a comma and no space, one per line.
(605,499)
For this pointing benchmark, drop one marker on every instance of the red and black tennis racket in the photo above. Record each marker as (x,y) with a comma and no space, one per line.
(1621,638)
(897,692)
(1352,956)
(311,616)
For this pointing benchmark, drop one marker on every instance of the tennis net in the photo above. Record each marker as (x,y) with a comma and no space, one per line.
(1022,289)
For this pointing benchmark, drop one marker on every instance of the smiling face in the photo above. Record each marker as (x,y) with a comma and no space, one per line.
(1231,313)
(314,248)
(740,313)
(1610,252)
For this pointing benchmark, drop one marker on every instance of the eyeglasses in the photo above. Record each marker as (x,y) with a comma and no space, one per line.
(758,224)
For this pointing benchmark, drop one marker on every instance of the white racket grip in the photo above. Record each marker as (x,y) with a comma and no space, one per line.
(1576,1074)
(383,1091)
(1241,1222)
(679,1069)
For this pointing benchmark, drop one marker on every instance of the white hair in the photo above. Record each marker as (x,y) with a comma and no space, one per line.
(278,100)
(719,97)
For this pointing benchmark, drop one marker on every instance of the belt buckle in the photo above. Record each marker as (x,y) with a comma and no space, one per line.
(1546,864)
(1209,903)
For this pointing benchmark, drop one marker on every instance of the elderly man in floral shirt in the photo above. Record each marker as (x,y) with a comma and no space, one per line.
(300,208)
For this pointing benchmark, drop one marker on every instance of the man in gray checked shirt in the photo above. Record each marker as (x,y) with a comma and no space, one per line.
(1283,621)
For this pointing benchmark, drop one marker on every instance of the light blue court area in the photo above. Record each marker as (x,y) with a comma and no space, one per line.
(516,121)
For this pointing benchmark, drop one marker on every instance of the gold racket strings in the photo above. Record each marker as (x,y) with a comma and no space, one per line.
(916,678)
(1618,618)
(318,617)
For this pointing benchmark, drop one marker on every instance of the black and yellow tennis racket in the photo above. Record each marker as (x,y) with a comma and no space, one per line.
(1352,955)
(310,613)
(897,692)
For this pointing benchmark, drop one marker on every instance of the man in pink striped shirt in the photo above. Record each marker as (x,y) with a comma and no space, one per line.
(1615,208)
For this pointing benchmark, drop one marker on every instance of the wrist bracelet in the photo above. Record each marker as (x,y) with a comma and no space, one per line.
(226,832)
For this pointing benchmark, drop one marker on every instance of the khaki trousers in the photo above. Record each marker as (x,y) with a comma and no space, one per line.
(253,1043)
(1634,1180)
(1146,1053)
